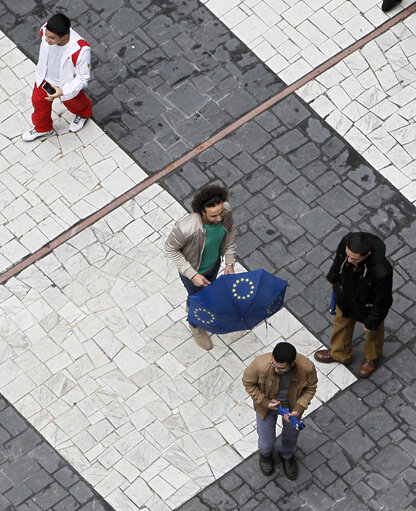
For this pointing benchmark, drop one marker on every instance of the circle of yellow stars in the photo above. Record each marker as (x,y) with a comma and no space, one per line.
(274,305)
(243,281)
(205,321)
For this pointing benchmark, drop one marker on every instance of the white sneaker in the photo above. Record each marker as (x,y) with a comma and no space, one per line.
(32,134)
(77,124)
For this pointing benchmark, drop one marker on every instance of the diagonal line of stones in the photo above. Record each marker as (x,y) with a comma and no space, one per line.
(146,183)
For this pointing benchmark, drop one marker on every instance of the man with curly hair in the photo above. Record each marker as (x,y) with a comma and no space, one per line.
(199,241)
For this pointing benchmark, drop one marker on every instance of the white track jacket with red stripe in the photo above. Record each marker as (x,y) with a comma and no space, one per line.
(75,64)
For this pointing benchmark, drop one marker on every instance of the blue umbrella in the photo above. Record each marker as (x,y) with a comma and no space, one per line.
(237,302)
(296,423)
(333,304)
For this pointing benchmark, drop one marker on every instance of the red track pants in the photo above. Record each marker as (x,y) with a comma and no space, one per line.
(41,117)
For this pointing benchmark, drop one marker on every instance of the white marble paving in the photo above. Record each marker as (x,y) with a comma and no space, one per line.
(100,359)
(294,36)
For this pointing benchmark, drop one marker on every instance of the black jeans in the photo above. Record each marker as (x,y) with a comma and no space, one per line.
(211,275)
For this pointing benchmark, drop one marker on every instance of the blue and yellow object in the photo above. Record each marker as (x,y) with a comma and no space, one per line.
(237,302)
(296,423)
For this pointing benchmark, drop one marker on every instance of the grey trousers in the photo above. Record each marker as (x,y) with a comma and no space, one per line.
(266,429)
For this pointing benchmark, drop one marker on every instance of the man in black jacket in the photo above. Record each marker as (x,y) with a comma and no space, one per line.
(362,279)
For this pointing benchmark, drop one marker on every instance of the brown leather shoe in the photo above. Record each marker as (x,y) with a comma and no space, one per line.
(325,357)
(367,367)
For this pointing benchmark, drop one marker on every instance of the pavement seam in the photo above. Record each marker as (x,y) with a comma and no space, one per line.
(155,178)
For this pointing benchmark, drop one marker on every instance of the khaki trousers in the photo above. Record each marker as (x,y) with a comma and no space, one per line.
(341,340)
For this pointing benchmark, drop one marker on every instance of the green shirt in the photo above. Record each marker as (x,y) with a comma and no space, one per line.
(214,235)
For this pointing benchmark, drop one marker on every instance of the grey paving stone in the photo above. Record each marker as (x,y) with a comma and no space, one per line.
(11,421)
(257,260)
(317,131)
(22,443)
(67,504)
(288,227)
(337,200)
(231,481)
(266,505)
(334,146)
(264,229)
(354,476)
(290,111)
(304,189)
(81,492)
(248,243)
(18,494)
(194,504)
(304,155)
(38,481)
(375,399)
(20,469)
(403,365)
(318,222)
(217,498)
(227,172)
(339,464)
(289,141)
(29,505)
(316,498)
(350,503)
(377,423)
(397,491)
(355,442)
(283,169)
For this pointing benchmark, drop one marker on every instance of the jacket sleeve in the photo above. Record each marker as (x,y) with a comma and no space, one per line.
(308,391)
(250,382)
(383,290)
(229,250)
(173,246)
(340,255)
(82,74)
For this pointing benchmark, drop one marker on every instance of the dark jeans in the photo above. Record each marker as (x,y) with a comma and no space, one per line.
(211,275)
(266,429)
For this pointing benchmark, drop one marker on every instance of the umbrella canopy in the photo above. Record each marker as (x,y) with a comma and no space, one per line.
(237,302)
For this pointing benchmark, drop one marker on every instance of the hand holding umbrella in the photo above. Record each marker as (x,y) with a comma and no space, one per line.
(296,423)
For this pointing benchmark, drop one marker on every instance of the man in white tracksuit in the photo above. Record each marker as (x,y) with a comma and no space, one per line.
(64,64)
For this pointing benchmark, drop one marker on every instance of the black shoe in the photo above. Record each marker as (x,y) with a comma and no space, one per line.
(290,467)
(388,5)
(266,464)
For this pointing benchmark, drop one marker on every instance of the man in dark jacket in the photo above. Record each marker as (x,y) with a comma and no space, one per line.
(362,279)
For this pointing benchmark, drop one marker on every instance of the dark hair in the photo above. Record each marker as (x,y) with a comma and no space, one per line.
(59,24)
(284,352)
(208,197)
(359,243)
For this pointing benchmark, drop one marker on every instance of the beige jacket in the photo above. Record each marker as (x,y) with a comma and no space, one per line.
(262,383)
(186,242)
